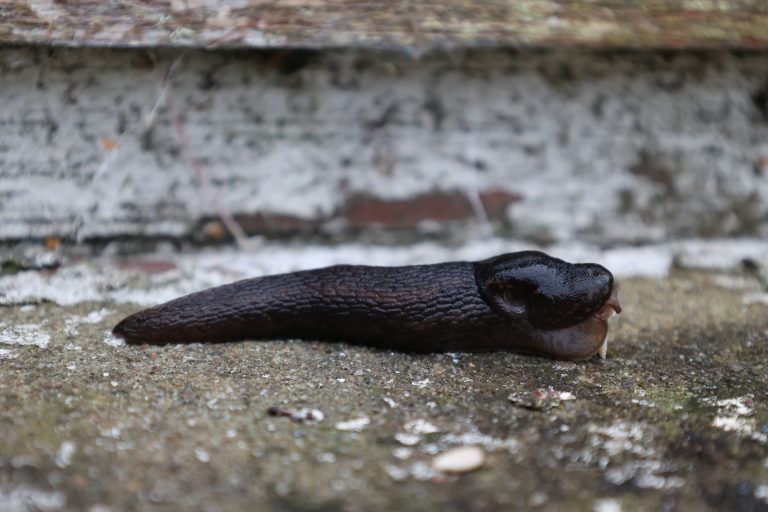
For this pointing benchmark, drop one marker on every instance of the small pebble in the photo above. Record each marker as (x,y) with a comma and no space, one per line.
(202,455)
(402,453)
(459,460)
(408,439)
(355,425)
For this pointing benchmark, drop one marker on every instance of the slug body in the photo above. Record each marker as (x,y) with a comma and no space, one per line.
(524,302)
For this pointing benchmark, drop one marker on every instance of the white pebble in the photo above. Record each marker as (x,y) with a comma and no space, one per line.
(202,455)
(355,425)
(408,439)
(402,453)
(459,460)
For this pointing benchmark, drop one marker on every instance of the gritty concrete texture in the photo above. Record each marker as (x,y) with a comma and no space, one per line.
(676,418)
(594,146)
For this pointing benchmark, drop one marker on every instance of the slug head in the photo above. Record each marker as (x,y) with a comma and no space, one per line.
(547,292)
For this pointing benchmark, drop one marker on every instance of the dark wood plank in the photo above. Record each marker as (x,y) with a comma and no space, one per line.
(415,25)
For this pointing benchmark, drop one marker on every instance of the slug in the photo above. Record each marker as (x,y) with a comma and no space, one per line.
(524,302)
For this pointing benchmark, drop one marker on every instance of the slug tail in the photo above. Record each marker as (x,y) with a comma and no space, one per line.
(226,313)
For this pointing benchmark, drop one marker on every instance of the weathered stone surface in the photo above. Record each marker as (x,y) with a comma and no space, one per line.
(415,24)
(608,147)
(675,418)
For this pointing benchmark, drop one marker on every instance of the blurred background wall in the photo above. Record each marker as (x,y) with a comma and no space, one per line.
(629,131)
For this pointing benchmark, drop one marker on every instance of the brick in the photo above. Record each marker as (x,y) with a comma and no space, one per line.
(364,211)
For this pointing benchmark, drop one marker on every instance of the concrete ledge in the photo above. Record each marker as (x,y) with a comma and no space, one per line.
(677,414)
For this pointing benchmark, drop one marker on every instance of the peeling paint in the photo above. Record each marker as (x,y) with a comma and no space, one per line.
(603,147)
(7,353)
(24,334)
(30,499)
(111,279)
(94,317)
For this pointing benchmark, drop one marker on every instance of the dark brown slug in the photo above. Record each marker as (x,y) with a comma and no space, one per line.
(523,302)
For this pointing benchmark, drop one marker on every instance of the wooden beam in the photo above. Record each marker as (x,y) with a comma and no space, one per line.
(414,25)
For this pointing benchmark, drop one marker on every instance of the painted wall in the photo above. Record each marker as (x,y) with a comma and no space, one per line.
(606,147)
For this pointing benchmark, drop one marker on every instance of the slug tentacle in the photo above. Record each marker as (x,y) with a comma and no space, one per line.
(526,301)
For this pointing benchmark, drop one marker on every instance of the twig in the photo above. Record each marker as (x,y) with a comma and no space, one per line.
(476,201)
(201,172)
(106,164)
(164,98)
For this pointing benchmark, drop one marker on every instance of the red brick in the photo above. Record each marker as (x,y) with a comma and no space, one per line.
(363,211)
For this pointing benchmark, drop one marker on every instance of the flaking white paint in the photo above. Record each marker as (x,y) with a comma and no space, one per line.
(561,130)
